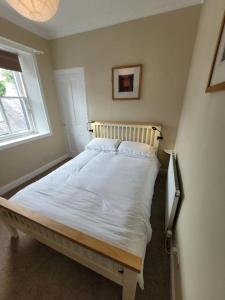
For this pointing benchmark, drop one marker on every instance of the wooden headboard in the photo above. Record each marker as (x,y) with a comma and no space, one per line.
(127,131)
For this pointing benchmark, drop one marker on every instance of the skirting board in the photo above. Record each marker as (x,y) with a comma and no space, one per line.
(172,274)
(13,184)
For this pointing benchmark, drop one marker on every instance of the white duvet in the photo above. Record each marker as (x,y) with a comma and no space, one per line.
(104,194)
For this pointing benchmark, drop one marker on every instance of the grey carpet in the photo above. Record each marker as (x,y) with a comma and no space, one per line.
(32,271)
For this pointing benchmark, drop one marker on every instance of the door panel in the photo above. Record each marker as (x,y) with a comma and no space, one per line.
(70,86)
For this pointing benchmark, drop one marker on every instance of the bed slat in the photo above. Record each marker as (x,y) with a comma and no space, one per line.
(139,132)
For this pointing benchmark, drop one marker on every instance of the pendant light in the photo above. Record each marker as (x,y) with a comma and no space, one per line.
(36,10)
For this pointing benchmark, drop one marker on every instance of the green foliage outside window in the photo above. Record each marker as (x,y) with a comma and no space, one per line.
(2,88)
(7,76)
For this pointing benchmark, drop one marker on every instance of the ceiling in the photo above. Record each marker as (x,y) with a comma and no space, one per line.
(76,16)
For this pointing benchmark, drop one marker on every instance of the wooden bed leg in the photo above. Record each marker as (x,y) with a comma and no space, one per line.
(13,232)
(129,284)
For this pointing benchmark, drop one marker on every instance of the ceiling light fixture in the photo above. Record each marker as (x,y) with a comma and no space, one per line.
(36,10)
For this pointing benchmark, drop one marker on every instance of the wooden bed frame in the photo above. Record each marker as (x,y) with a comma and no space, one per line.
(73,243)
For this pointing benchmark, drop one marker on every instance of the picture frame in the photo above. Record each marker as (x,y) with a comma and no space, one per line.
(126,82)
(216,81)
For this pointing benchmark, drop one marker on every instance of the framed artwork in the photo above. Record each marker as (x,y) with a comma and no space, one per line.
(216,80)
(126,82)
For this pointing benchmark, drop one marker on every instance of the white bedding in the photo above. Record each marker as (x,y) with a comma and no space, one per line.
(104,194)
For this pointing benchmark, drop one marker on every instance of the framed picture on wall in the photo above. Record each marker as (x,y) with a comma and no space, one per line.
(126,82)
(216,80)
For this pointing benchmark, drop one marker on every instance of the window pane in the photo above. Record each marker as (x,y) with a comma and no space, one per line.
(1,117)
(3,125)
(11,84)
(16,114)
(3,128)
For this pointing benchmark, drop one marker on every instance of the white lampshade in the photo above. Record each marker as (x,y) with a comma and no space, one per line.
(36,10)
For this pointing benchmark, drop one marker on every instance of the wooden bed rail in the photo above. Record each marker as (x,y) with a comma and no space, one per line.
(121,256)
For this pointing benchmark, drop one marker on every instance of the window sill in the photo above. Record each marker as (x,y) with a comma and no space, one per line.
(22,140)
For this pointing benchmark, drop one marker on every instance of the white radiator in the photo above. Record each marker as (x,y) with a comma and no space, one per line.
(172,194)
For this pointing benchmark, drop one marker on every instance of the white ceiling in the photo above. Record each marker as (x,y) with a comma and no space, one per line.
(75,16)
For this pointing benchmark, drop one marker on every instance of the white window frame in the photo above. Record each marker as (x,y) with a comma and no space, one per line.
(36,131)
(24,100)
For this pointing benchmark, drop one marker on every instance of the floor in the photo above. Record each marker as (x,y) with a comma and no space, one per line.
(32,271)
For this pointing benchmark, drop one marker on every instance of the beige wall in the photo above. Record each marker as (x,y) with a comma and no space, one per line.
(152,41)
(201,148)
(22,159)
(162,43)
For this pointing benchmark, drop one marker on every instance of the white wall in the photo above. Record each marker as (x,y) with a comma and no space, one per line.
(201,148)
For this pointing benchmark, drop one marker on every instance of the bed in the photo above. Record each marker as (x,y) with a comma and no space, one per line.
(102,204)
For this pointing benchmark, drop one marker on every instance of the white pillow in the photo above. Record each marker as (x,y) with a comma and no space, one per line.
(136,149)
(101,144)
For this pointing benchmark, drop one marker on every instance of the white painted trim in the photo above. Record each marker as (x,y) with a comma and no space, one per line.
(69,71)
(13,46)
(13,184)
(38,76)
(6,144)
(172,276)
(26,51)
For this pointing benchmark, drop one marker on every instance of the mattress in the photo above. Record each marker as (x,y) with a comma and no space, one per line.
(104,194)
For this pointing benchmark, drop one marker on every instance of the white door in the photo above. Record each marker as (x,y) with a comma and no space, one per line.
(70,85)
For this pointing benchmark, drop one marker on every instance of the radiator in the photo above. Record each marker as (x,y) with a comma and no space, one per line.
(172,194)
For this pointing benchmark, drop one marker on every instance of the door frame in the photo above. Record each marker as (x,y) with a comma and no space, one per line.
(69,71)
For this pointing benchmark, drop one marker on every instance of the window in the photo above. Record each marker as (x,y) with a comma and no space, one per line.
(23,114)
(15,113)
